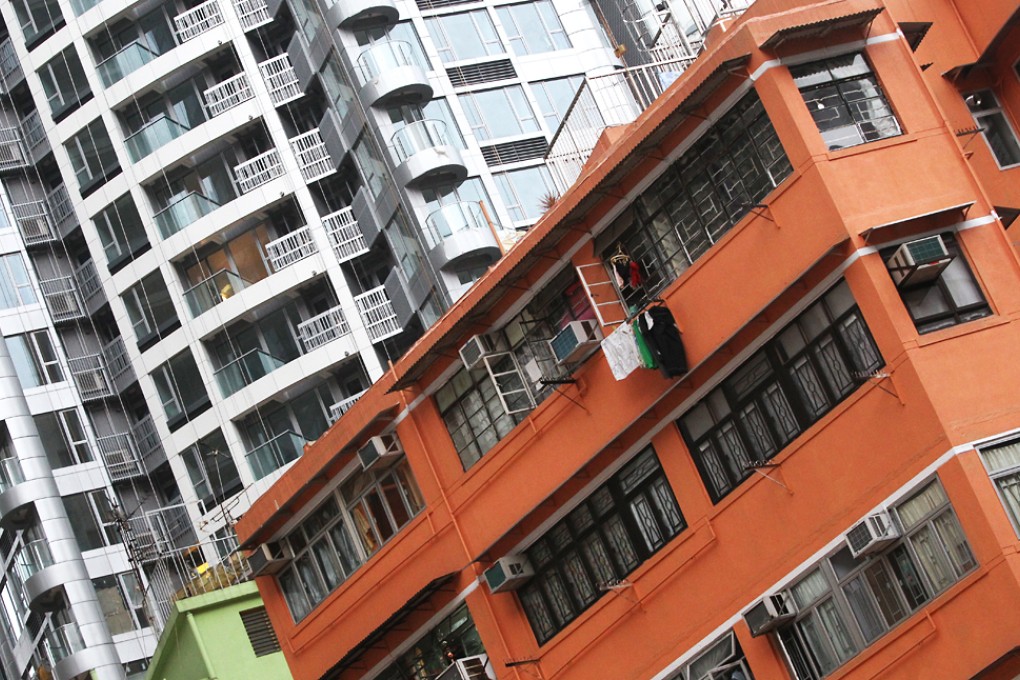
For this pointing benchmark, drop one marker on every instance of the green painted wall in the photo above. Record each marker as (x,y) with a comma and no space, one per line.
(220,650)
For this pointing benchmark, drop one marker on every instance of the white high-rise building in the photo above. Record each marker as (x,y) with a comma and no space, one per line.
(220,221)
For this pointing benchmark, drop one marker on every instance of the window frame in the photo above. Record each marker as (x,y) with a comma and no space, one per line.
(999,474)
(996,111)
(441,38)
(544,12)
(17,280)
(37,344)
(482,118)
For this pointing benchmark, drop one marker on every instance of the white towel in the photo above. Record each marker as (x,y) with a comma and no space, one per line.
(621,351)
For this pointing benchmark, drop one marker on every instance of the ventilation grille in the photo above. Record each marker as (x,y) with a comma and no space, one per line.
(512,152)
(485,72)
(260,631)
(437,4)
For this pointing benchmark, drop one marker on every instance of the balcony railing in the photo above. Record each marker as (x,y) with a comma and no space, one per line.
(149,446)
(33,557)
(9,63)
(115,354)
(252,13)
(275,453)
(210,292)
(377,314)
(158,532)
(383,56)
(312,155)
(33,220)
(32,127)
(418,136)
(197,20)
(63,298)
(345,234)
(450,219)
(63,641)
(279,75)
(290,248)
(121,456)
(91,377)
(344,405)
(12,150)
(60,204)
(259,170)
(129,59)
(325,327)
(88,279)
(182,212)
(158,132)
(228,94)
(246,369)
(11,473)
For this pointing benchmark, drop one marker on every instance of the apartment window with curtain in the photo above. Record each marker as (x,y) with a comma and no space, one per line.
(533,27)
(995,127)
(35,360)
(1003,464)
(181,389)
(845,100)
(92,157)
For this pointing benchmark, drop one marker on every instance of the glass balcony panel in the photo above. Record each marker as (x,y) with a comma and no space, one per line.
(33,557)
(245,370)
(11,473)
(182,212)
(383,56)
(64,641)
(418,136)
(210,292)
(129,59)
(450,219)
(275,453)
(157,132)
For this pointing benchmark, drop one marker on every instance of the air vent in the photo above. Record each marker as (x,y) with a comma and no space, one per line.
(512,152)
(486,72)
(260,632)
(438,4)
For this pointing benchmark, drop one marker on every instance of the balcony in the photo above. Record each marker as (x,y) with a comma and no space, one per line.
(60,205)
(246,369)
(290,248)
(11,474)
(197,20)
(210,292)
(12,151)
(63,641)
(33,557)
(275,453)
(345,234)
(458,232)
(279,75)
(10,66)
(43,577)
(32,129)
(344,405)
(148,443)
(127,60)
(120,454)
(388,72)
(33,218)
(228,94)
(91,377)
(252,13)
(326,327)
(424,154)
(254,173)
(116,358)
(87,279)
(377,314)
(63,299)
(312,156)
(350,14)
(158,132)
(159,533)
(182,212)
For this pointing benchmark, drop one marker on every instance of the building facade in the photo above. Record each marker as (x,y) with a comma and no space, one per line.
(811,239)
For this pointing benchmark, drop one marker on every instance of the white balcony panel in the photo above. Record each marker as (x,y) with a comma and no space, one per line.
(344,405)
(227,94)
(326,327)
(255,172)
(377,314)
(252,13)
(345,234)
(312,156)
(290,248)
(281,79)
(197,20)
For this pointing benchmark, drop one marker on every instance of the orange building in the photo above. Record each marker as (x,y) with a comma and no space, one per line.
(821,482)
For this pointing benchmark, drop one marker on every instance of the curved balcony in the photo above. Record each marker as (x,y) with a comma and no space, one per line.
(15,491)
(425,154)
(458,232)
(67,651)
(389,72)
(42,576)
(351,14)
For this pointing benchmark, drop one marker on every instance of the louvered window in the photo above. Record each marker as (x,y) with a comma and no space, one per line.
(485,72)
(260,632)
(513,152)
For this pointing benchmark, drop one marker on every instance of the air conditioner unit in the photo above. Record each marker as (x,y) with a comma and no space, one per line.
(508,573)
(35,227)
(382,447)
(475,349)
(770,613)
(920,261)
(570,343)
(270,558)
(871,534)
(468,668)
(91,382)
(64,304)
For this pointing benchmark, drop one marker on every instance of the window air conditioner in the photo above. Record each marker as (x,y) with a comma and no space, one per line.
(871,534)
(570,343)
(468,668)
(270,558)
(475,349)
(382,447)
(508,573)
(917,262)
(770,613)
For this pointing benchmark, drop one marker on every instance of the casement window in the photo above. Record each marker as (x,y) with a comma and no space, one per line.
(63,437)
(181,389)
(554,98)
(64,83)
(15,285)
(845,603)
(845,100)
(150,310)
(723,660)
(373,170)
(608,535)
(499,113)
(122,602)
(995,127)
(35,359)
(336,84)
(469,35)
(121,232)
(1003,464)
(92,519)
(473,414)
(953,297)
(812,365)
(38,18)
(92,157)
(533,27)
(211,470)
(525,192)
(427,657)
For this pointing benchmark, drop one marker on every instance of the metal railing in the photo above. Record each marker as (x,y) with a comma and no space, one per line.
(63,298)
(11,473)
(158,132)
(290,248)
(281,79)
(127,60)
(116,357)
(60,204)
(120,454)
(344,405)
(9,63)
(383,56)
(88,279)
(12,150)
(328,326)
(252,13)
(227,94)
(246,369)
(182,212)
(150,448)
(377,314)
(275,453)
(197,20)
(33,218)
(213,290)
(344,234)
(158,533)
(449,219)
(32,127)
(312,156)
(418,136)
(255,172)
(91,376)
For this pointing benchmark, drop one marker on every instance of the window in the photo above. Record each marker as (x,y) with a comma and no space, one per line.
(335,83)
(92,157)
(554,98)
(473,414)
(121,231)
(373,170)
(38,18)
(35,360)
(453,637)
(533,28)
(499,113)
(181,389)
(845,604)
(723,660)
(608,535)
(64,83)
(211,470)
(525,192)
(795,379)
(92,519)
(122,603)
(953,298)
(150,310)
(15,284)
(1003,464)
(845,100)
(470,35)
(995,127)
(63,438)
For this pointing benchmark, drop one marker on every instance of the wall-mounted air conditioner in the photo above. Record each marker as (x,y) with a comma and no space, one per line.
(270,558)
(771,612)
(475,349)
(920,261)
(380,448)
(468,668)
(570,344)
(871,534)
(508,573)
